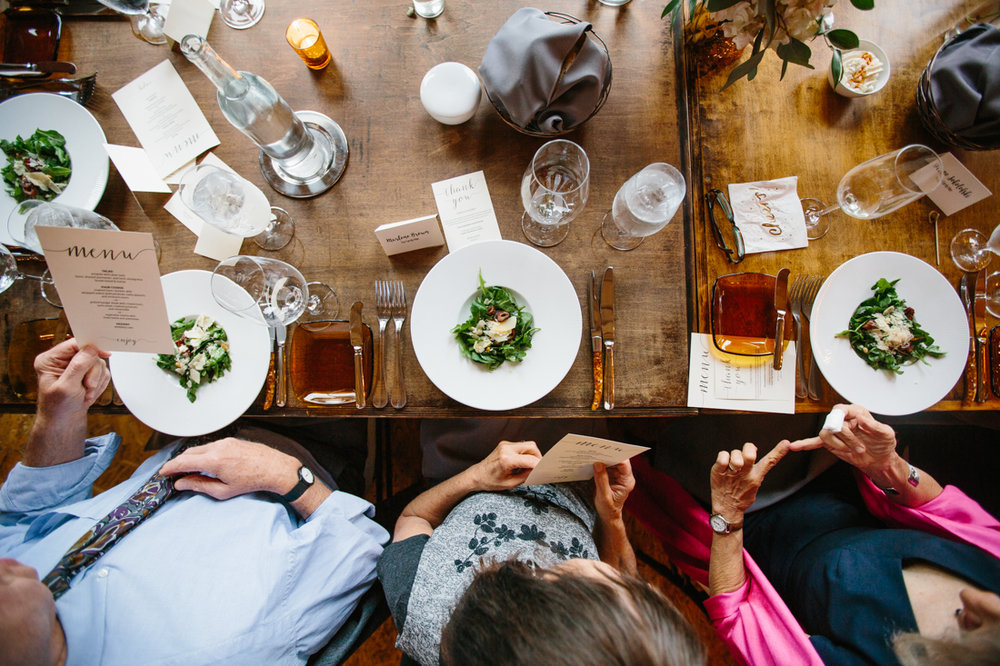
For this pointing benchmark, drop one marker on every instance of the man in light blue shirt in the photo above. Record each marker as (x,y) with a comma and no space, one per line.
(223,574)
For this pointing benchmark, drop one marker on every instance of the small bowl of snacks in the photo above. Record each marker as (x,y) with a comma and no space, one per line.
(864,71)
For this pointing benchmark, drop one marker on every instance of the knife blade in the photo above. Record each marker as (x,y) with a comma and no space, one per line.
(608,335)
(982,368)
(40,68)
(596,342)
(965,292)
(357,341)
(281,391)
(269,381)
(781,309)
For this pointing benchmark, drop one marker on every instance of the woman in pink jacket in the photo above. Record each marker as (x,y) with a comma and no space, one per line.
(897,568)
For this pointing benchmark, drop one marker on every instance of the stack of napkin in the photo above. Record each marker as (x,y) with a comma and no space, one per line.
(965,84)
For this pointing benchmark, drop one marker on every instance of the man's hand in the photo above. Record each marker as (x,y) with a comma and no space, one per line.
(862,442)
(507,466)
(229,467)
(612,486)
(736,479)
(70,379)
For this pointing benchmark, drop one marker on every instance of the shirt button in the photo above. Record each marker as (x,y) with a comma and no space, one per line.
(103,573)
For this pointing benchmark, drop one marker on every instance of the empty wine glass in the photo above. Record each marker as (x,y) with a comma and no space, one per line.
(147,19)
(322,304)
(241,14)
(554,190)
(235,205)
(970,249)
(643,205)
(10,273)
(878,187)
(260,286)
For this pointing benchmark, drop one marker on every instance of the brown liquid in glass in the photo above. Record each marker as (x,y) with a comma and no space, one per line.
(321,361)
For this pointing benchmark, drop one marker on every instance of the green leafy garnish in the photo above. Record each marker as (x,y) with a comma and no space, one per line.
(37,168)
(202,354)
(487,336)
(884,333)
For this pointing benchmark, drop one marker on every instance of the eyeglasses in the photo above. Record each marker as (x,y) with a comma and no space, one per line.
(744,319)
(715,198)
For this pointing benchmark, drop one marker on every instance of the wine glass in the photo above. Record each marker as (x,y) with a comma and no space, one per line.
(554,190)
(878,187)
(260,286)
(972,251)
(147,19)
(235,205)
(241,14)
(10,273)
(643,205)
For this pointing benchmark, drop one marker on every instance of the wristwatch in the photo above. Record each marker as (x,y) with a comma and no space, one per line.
(306,479)
(722,526)
(913,478)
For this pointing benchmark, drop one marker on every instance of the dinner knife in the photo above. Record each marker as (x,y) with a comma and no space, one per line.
(596,343)
(982,369)
(269,382)
(40,68)
(357,341)
(965,292)
(608,335)
(281,392)
(781,309)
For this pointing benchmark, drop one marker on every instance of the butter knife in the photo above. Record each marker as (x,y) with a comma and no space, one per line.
(40,68)
(608,335)
(965,292)
(596,343)
(781,308)
(357,341)
(269,382)
(982,366)
(281,392)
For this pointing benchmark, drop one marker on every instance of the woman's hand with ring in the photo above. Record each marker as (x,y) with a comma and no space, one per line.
(737,476)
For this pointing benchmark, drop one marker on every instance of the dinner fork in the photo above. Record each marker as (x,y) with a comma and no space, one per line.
(798,287)
(383,310)
(398,396)
(79,89)
(815,386)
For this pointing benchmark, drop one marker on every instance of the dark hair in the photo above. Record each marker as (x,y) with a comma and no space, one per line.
(515,614)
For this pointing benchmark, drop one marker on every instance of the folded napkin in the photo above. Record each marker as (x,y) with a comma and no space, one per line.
(548,76)
(965,83)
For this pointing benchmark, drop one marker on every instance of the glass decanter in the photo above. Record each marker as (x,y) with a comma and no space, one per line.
(302,153)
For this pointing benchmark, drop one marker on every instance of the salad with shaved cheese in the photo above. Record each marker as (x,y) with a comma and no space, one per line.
(498,329)
(37,168)
(202,354)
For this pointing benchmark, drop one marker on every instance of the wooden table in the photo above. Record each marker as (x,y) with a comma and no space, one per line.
(768,129)
(396,152)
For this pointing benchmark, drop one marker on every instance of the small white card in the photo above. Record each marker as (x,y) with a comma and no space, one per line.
(165,118)
(466,210)
(958,189)
(109,283)
(136,169)
(189,17)
(769,215)
(716,383)
(415,234)
(573,458)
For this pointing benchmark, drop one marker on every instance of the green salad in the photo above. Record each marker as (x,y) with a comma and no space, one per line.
(498,329)
(202,354)
(883,332)
(37,168)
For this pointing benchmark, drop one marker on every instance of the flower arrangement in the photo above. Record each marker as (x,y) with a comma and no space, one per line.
(782,25)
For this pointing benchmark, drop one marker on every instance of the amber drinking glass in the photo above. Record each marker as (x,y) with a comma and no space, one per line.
(744,318)
(322,362)
(305,38)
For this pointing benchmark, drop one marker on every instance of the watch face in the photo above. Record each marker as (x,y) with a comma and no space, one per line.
(306,475)
(718,523)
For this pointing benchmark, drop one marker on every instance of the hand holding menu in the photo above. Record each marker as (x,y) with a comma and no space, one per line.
(109,283)
(573,458)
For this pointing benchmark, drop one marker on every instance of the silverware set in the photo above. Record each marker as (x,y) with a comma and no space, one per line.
(601,296)
(79,89)
(390,306)
(972,290)
(802,295)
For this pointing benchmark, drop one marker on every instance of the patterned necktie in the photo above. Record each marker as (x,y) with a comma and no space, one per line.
(106,533)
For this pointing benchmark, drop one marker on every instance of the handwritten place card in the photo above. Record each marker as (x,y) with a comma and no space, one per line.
(415,234)
(716,383)
(573,457)
(165,118)
(109,283)
(958,189)
(466,210)
(189,17)
(769,214)
(136,169)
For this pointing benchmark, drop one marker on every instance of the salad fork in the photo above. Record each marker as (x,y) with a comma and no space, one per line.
(398,397)
(79,89)
(798,288)
(383,310)
(814,384)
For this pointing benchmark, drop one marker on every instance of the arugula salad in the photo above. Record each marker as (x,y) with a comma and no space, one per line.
(202,354)
(37,168)
(498,329)
(884,333)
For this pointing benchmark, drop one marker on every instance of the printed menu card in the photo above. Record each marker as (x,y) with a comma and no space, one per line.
(466,210)
(573,458)
(109,284)
(716,382)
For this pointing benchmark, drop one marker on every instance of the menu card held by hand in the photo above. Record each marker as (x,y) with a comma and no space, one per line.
(109,284)
(573,457)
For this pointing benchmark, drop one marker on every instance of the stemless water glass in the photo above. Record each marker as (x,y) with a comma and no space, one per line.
(643,205)
(428,8)
(554,191)
(147,21)
(878,187)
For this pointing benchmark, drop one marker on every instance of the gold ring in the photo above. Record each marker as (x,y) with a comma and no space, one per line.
(732,469)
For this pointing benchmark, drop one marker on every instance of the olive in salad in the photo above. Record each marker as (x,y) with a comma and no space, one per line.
(202,353)
(497,330)
(885,334)
(37,167)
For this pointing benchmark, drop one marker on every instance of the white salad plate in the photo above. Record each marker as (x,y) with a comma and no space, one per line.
(24,114)
(938,310)
(155,396)
(443,301)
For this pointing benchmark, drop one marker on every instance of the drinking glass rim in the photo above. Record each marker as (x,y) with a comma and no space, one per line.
(586,163)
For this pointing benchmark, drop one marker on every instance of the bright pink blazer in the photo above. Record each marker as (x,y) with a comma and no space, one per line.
(754,621)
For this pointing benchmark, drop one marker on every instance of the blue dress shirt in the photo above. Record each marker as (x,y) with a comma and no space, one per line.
(240,581)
